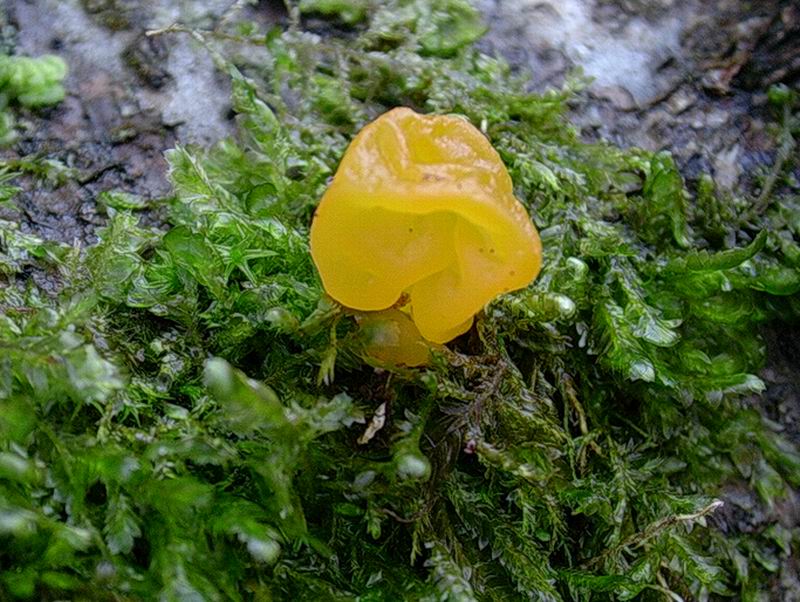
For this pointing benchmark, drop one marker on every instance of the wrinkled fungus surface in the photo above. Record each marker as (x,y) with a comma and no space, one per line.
(422,206)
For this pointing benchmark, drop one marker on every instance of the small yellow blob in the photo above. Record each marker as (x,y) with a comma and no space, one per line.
(422,206)
(392,339)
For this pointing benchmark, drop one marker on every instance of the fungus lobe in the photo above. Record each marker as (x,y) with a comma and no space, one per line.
(422,207)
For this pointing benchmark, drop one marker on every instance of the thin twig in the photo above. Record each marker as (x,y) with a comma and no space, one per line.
(168,29)
(231,12)
(784,153)
(426,508)
(201,35)
(572,397)
(653,529)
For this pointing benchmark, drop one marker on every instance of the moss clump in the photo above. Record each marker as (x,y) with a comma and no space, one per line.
(115,15)
(191,417)
(29,82)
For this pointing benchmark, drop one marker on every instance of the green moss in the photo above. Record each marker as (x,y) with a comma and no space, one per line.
(29,82)
(349,11)
(182,421)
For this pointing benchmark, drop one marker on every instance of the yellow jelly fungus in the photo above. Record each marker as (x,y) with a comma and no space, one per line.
(392,338)
(422,206)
